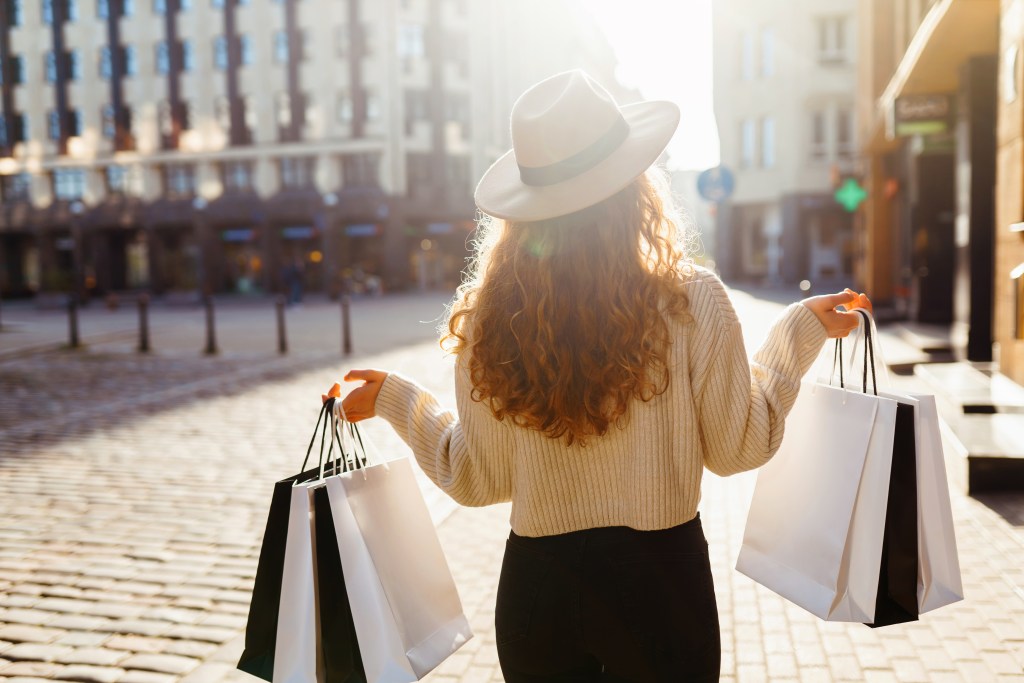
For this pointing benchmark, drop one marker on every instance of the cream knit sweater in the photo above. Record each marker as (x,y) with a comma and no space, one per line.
(720,411)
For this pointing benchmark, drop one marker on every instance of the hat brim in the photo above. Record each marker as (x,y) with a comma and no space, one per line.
(502,194)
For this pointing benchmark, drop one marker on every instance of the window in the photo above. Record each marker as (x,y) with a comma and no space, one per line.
(458,175)
(124,180)
(281,47)
(220,52)
(179,181)
(283,109)
(21,129)
(237,176)
(50,66)
(296,172)
(746,56)
(75,122)
(16,68)
(222,113)
(748,144)
(53,124)
(184,5)
(108,122)
(372,105)
(346,108)
(159,6)
(68,183)
(457,108)
(768,142)
(419,171)
(75,65)
(127,8)
(767,53)
(360,170)
(163,57)
(218,4)
(16,12)
(131,63)
(188,56)
(47,11)
(819,140)
(832,40)
(72,10)
(106,63)
(103,9)
(17,187)
(844,133)
(411,43)
(246,51)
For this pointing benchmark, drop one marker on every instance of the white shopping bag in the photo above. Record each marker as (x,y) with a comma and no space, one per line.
(297,647)
(815,528)
(405,606)
(939,582)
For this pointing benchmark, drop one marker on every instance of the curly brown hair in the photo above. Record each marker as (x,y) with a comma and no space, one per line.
(563,321)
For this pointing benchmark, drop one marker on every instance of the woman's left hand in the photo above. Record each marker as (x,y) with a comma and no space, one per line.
(361,403)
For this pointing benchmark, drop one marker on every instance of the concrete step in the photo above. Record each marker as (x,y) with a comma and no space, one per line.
(931,339)
(985,453)
(973,387)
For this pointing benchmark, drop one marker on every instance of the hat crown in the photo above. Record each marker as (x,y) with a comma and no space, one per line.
(559,118)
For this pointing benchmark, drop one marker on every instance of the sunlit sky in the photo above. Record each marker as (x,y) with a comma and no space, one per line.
(664,50)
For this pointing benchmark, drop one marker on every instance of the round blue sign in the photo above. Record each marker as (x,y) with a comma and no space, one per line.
(716,184)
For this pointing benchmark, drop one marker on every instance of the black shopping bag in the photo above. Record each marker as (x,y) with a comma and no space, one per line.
(261,628)
(339,645)
(897,574)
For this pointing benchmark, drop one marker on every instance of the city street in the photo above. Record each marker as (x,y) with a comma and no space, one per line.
(134,491)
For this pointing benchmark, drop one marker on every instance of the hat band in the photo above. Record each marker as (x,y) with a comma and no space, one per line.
(583,160)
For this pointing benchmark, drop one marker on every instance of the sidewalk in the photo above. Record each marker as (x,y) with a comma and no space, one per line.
(130,536)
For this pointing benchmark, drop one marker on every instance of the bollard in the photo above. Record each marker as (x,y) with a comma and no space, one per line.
(73,340)
(211,333)
(143,323)
(346,325)
(282,339)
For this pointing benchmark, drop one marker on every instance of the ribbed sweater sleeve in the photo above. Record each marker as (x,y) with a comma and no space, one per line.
(742,406)
(465,454)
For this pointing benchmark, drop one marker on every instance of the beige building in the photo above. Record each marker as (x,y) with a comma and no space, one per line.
(227,145)
(785,86)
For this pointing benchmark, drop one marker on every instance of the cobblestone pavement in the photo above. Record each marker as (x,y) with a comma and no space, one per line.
(130,528)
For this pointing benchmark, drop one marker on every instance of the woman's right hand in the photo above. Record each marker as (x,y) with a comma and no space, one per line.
(836,323)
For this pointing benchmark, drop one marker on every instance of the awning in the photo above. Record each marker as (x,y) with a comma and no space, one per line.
(951,32)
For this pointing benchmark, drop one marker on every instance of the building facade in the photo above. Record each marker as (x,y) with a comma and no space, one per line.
(927,111)
(784,94)
(204,146)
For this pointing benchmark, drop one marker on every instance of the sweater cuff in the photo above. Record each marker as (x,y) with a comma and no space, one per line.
(397,395)
(808,333)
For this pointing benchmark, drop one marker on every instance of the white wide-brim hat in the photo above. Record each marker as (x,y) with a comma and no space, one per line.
(572,147)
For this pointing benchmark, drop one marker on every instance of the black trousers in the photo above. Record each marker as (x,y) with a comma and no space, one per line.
(611,604)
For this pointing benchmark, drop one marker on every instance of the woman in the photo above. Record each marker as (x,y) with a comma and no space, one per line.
(598,373)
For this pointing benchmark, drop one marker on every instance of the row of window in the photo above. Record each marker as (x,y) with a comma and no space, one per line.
(759,61)
(178,181)
(16,8)
(368,105)
(411,47)
(758,139)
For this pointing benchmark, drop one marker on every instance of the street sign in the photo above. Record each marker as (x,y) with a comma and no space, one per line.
(716,184)
(850,195)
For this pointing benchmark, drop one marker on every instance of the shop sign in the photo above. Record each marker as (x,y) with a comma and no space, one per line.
(439,228)
(237,235)
(361,230)
(298,232)
(922,114)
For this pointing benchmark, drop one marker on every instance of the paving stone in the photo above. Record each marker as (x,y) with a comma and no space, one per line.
(90,674)
(41,652)
(30,668)
(191,648)
(168,664)
(147,677)
(138,644)
(97,656)
(209,634)
(17,633)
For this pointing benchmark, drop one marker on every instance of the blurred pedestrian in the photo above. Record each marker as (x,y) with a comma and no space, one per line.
(598,372)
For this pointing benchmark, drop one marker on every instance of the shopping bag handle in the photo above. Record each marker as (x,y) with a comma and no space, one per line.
(869,351)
